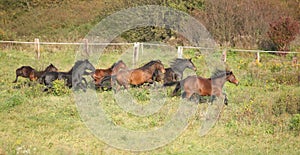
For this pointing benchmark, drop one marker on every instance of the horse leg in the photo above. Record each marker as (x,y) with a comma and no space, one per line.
(225,99)
(183,95)
(195,98)
(81,85)
(188,95)
(212,98)
(177,88)
(85,82)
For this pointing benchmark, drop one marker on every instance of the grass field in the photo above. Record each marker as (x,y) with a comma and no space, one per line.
(262,116)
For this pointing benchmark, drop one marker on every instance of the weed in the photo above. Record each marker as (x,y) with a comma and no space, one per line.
(59,88)
(294,123)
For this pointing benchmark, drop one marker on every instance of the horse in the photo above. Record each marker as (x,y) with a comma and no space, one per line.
(101,73)
(106,81)
(48,77)
(73,77)
(206,86)
(23,71)
(139,75)
(175,72)
(34,74)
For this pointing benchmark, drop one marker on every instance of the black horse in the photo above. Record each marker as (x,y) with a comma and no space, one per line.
(175,72)
(73,78)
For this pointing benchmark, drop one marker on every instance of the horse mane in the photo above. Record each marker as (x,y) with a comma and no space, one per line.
(113,65)
(147,65)
(177,62)
(219,73)
(77,64)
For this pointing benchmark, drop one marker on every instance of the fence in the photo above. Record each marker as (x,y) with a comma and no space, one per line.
(140,47)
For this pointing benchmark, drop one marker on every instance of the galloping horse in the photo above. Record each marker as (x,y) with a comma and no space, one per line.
(140,75)
(175,72)
(101,73)
(106,81)
(27,71)
(206,86)
(23,71)
(34,75)
(73,77)
(79,70)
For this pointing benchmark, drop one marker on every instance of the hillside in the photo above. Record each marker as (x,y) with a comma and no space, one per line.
(71,20)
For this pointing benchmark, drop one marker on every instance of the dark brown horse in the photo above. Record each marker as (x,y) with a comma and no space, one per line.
(106,81)
(34,74)
(101,73)
(23,71)
(175,72)
(206,86)
(140,75)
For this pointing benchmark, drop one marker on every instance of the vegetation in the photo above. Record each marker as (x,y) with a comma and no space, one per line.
(262,115)
(232,23)
(263,112)
(283,32)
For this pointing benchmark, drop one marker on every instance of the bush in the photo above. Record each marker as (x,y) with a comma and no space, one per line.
(282,32)
(59,88)
(294,123)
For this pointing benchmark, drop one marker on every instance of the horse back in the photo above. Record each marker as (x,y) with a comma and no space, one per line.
(24,71)
(139,76)
(197,84)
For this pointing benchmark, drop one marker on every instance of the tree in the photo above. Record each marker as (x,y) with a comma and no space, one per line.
(282,32)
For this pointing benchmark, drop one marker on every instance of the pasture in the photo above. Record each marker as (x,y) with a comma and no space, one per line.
(262,116)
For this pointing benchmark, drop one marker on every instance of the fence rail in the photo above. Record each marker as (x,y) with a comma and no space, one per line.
(137,46)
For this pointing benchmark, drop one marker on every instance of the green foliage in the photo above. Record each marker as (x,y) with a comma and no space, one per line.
(12,102)
(294,123)
(59,88)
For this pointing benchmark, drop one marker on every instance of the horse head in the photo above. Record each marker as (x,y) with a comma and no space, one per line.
(160,66)
(191,65)
(231,78)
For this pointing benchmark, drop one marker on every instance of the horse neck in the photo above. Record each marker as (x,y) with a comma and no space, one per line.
(219,81)
(152,68)
(178,68)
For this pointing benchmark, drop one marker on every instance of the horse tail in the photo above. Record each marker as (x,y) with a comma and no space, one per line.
(171,83)
(177,88)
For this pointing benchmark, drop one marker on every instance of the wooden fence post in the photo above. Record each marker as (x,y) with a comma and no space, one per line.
(142,48)
(257,57)
(224,55)
(179,51)
(135,53)
(37,48)
(86,46)
(294,61)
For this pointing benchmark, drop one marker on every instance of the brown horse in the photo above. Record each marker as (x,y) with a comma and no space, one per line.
(34,74)
(23,71)
(206,86)
(101,73)
(140,75)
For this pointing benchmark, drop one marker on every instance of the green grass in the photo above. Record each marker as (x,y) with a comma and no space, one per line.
(262,116)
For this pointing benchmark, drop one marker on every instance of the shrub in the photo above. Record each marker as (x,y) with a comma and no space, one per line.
(294,123)
(282,32)
(59,88)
